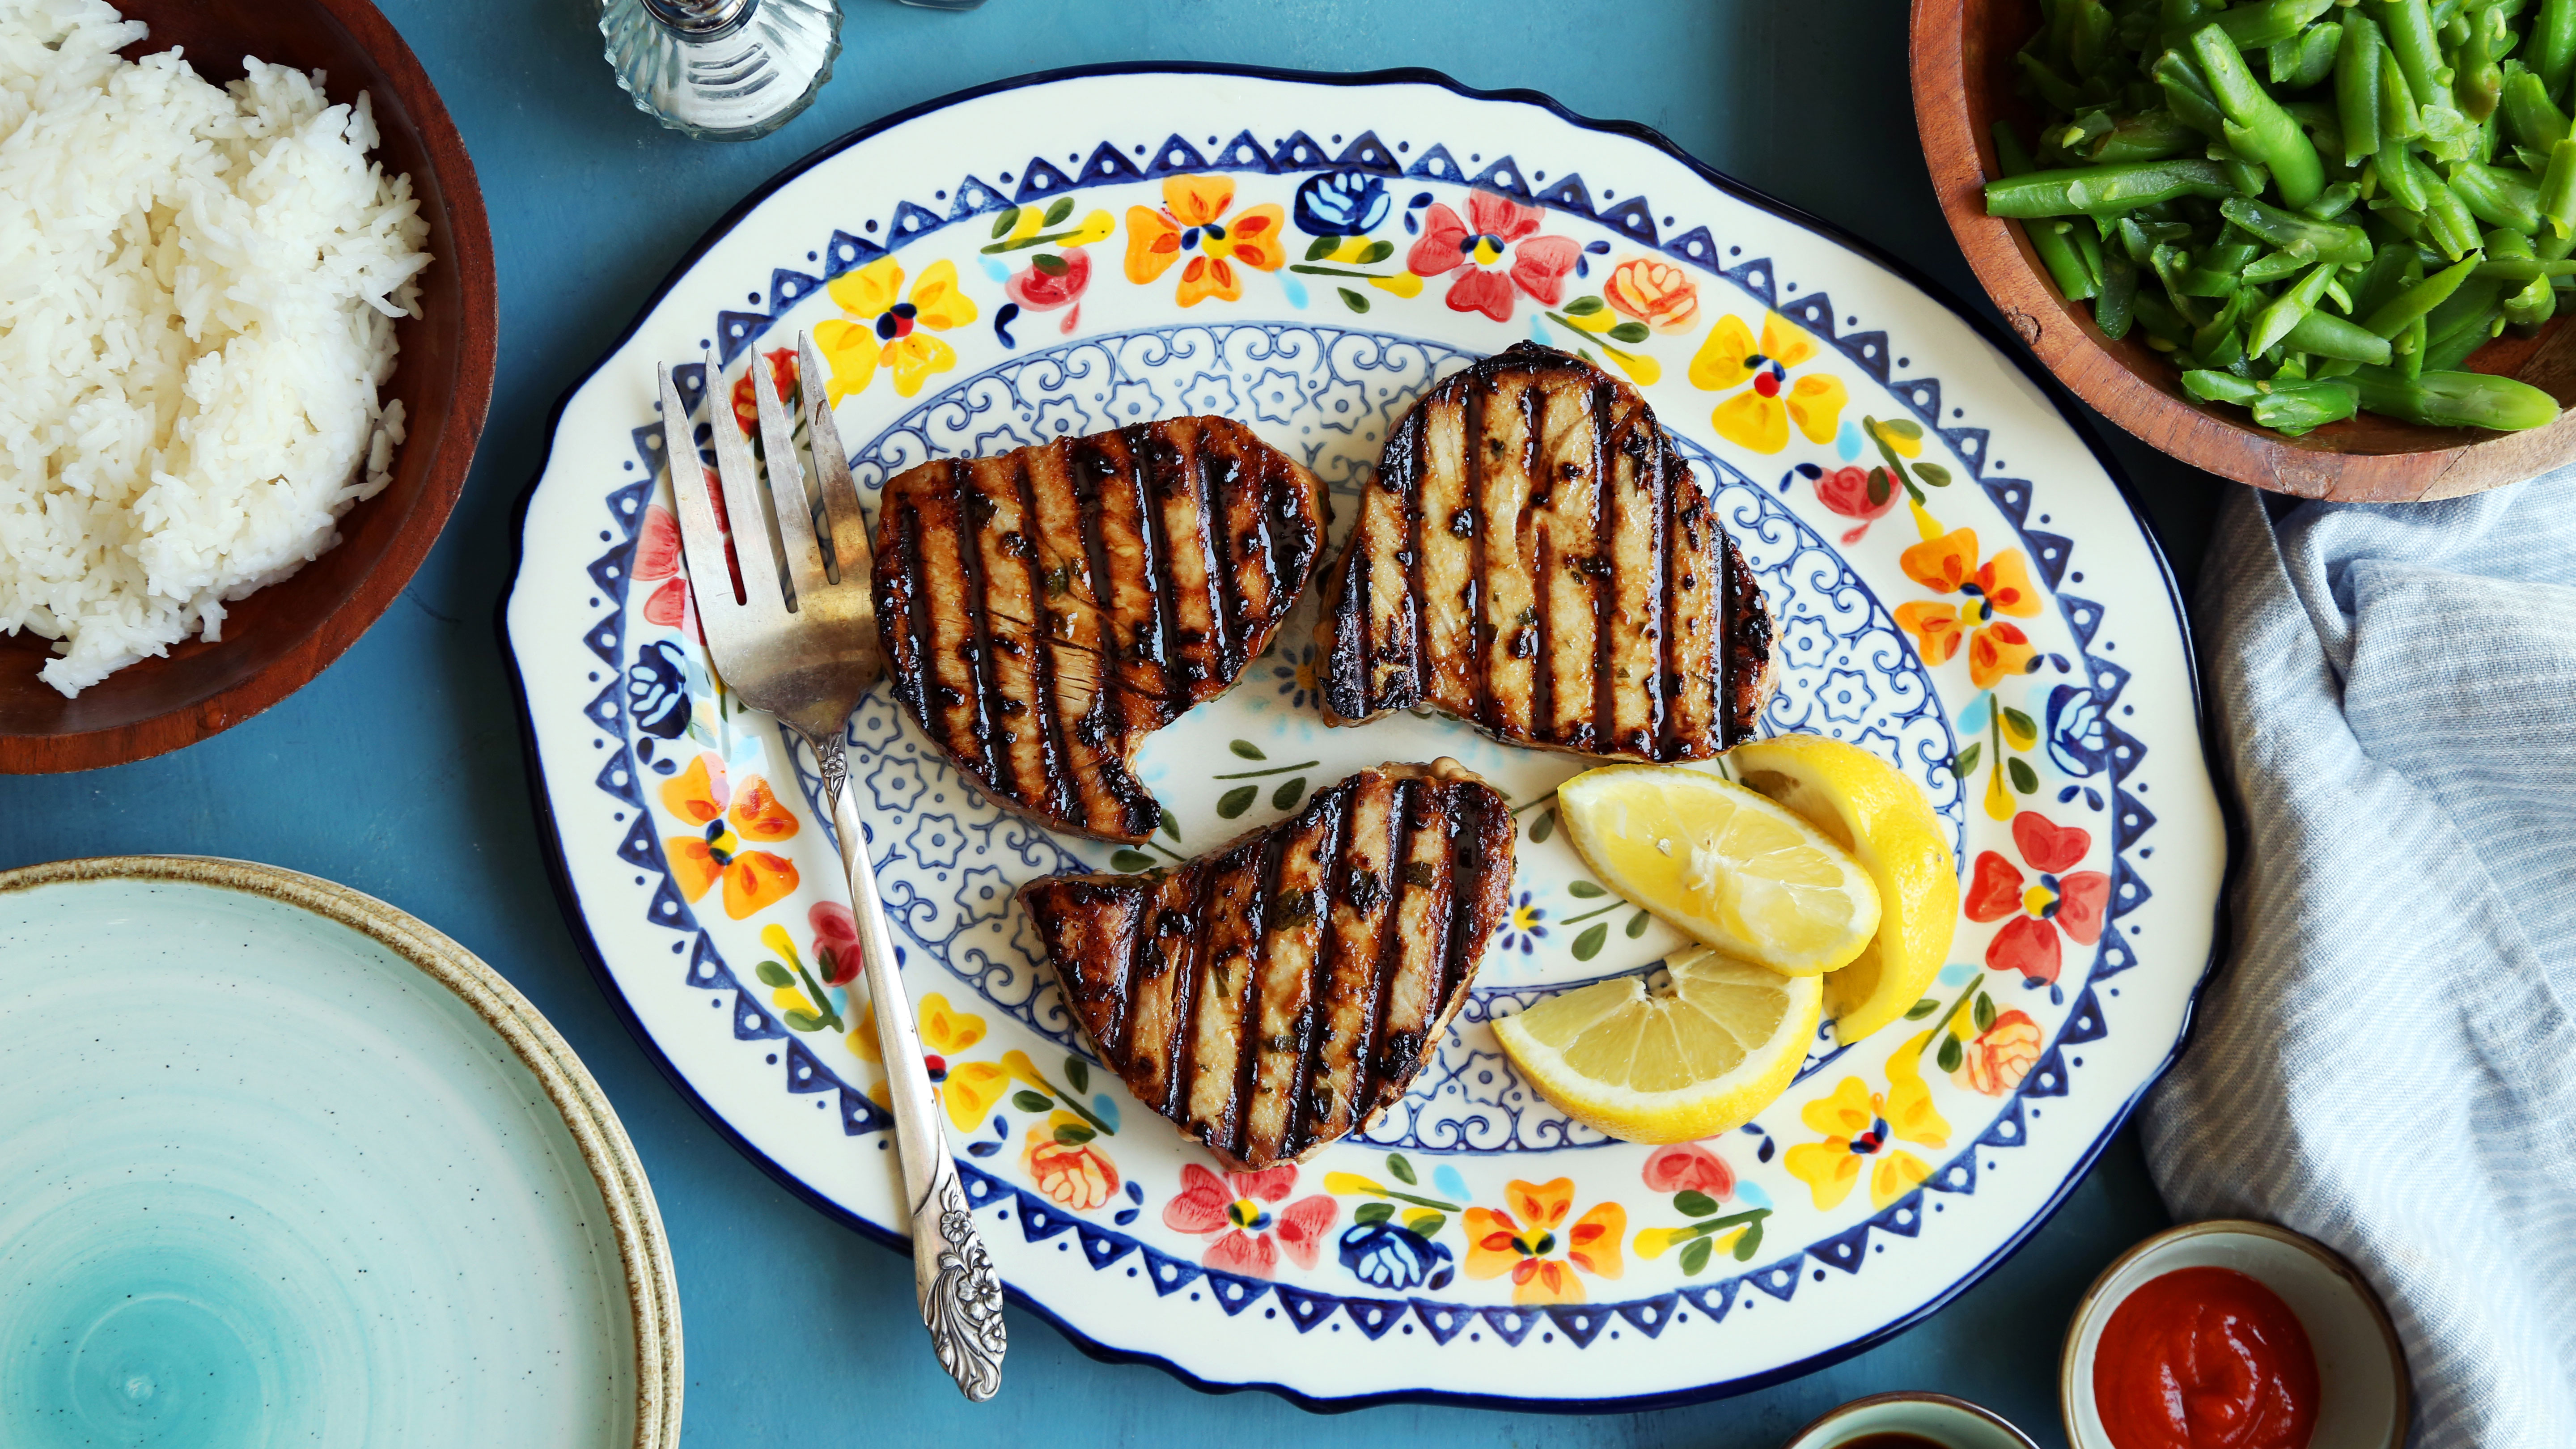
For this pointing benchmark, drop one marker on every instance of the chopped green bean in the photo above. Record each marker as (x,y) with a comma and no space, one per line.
(2480,81)
(2257,128)
(2553,43)
(2286,310)
(2268,22)
(2098,189)
(2306,59)
(2558,188)
(2188,95)
(2357,86)
(2497,196)
(2446,399)
(2527,309)
(2112,308)
(2528,113)
(2392,317)
(2056,250)
(2304,407)
(2210,385)
(2324,334)
(2408,25)
(2330,241)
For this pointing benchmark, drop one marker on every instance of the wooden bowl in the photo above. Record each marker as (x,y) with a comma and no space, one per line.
(283,635)
(1962,65)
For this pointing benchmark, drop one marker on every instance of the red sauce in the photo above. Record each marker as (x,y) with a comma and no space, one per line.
(2205,1358)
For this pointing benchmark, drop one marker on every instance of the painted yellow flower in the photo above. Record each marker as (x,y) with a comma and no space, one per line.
(1859,1125)
(1521,1240)
(1193,223)
(889,329)
(1759,417)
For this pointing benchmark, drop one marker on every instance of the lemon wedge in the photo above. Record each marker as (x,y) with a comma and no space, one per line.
(1730,866)
(1873,811)
(1668,1068)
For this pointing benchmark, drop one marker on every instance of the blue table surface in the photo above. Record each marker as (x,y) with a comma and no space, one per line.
(400,772)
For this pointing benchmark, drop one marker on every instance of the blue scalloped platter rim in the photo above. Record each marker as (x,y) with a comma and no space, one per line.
(1631,224)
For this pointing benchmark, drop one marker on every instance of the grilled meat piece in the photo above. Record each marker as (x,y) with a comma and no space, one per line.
(1045,610)
(1534,557)
(1283,991)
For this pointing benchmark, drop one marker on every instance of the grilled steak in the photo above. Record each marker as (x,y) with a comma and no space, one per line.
(1535,557)
(1283,991)
(1045,610)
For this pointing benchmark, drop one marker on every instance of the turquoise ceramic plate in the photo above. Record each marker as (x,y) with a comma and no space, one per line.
(1961,586)
(282,1165)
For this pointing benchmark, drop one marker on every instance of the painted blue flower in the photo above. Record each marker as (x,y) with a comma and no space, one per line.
(2078,736)
(657,690)
(1342,203)
(1383,1255)
(1297,676)
(1520,927)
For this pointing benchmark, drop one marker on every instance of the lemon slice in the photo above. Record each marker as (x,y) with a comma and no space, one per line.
(1668,1068)
(1872,810)
(1731,867)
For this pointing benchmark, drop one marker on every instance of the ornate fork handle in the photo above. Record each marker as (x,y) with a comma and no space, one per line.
(961,1298)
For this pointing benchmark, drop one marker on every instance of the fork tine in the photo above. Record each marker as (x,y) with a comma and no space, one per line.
(787,493)
(744,508)
(848,525)
(701,541)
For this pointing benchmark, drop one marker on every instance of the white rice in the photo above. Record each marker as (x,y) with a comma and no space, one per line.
(197,294)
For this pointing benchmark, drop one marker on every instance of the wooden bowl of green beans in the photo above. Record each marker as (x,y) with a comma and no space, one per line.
(2318,247)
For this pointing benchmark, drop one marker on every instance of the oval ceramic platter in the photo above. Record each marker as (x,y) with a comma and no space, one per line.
(304,1172)
(1069,253)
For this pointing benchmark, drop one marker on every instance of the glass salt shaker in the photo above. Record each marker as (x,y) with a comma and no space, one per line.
(721,70)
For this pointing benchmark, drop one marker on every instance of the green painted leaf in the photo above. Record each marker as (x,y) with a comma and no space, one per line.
(1933,473)
(1073,1134)
(1697,1204)
(1902,428)
(1078,1072)
(1588,945)
(1750,1243)
(1056,214)
(1584,890)
(1631,333)
(1922,1009)
(1131,860)
(1321,247)
(1373,1212)
(1964,763)
(1171,827)
(1879,487)
(1028,1101)
(1288,794)
(1237,800)
(804,1021)
(2020,724)
(1583,306)
(771,973)
(1401,1170)
(1428,1224)
(1952,1054)
(1377,251)
(1542,828)
(1637,925)
(1695,1256)
(1002,224)
(1983,1011)
(1050,263)
(2024,778)
(1246,749)
(1356,301)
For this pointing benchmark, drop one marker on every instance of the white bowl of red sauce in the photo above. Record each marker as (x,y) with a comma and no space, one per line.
(1910,1421)
(2232,1333)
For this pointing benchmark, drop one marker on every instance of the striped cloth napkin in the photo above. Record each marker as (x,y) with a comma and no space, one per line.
(2387,1059)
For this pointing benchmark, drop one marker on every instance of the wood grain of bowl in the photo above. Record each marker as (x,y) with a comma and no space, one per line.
(1962,71)
(280,637)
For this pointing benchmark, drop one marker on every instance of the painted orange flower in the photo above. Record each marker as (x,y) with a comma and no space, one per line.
(1659,294)
(1861,1128)
(1524,1240)
(1946,563)
(1193,223)
(1067,1164)
(2001,1055)
(753,879)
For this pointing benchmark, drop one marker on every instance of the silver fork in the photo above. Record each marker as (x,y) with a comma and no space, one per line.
(806,653)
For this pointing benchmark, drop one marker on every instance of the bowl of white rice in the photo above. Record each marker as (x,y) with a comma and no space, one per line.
(246,344)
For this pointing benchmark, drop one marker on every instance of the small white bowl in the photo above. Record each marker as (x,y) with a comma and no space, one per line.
(2361,1371)
(1951,1423)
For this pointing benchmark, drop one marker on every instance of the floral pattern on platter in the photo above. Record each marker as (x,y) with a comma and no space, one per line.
(1848,668)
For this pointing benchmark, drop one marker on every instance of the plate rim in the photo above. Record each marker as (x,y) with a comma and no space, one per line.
(568,898)
(643,1247)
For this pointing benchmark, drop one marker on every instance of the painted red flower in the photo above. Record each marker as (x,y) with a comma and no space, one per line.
(1689,1167)
(1846,491)
(1051,282)
(657,561)
(1239,1214)
(2057,902)
(836,942)
(1471,252)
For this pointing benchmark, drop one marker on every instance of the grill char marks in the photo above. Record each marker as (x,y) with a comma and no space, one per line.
(1534,556)
(1047,609)
(1281,992)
